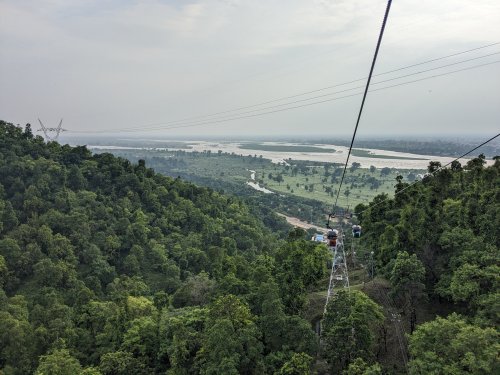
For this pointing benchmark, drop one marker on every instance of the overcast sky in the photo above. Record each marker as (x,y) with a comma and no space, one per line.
(113,64)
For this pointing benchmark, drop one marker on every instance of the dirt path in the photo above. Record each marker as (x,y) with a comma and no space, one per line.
(297,222)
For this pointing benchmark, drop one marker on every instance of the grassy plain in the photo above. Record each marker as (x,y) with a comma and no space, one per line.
(301,179)
(358,187)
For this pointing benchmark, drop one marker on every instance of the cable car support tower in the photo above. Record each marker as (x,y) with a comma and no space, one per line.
(339,275)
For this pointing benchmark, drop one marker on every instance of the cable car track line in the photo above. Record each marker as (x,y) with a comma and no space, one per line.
(379,42)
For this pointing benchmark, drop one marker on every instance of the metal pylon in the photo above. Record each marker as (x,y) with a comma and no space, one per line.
(47,131)
(339,277)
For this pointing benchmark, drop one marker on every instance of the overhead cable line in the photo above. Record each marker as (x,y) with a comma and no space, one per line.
(379,42)
(432,173)
(349,89)
(200,117)
(331,93)
(237,117)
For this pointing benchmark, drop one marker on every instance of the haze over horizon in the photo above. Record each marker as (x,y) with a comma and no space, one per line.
(104,65)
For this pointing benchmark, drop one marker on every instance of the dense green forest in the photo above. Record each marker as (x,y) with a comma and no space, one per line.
(303,189)
(107,267)
(438,243)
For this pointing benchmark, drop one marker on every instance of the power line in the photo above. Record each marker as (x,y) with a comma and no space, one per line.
(200,117)
(336,92)
(217,121)
(384,22)
(439,58)
(353,88)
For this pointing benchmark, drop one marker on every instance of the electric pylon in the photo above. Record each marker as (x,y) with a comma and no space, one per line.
(46,131)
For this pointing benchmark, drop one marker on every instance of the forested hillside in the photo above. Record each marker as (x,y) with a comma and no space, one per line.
(438,243)
(109,268)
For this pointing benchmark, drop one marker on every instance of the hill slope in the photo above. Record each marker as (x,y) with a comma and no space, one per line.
(107,267)
(438,243)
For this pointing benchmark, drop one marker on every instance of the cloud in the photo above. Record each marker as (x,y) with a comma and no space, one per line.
(108,63)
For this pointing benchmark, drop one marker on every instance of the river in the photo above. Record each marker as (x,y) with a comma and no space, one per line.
(256,185)
(283,157)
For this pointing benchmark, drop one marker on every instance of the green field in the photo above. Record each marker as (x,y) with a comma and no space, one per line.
(284,148)
(357,184)
(304,180)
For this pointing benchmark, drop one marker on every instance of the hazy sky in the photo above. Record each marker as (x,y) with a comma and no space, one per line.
(108,64)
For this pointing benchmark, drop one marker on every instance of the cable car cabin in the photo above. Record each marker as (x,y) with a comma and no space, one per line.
(356,231)
(332,237)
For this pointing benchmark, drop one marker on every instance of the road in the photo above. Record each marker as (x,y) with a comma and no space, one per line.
(297,222)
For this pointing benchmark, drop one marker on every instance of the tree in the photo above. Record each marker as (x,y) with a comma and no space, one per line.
(90,371)
(28,133)
(181,338)
(279,178)
(3,271)
(301,265)
(272,317)
(141,339)
(59,362)
(16,335)
(197,290)
(348,328)
(299,364)
(360,367)
(476,163)
(456,166)
(433,166)
(385,171)
(355,166)
(76,180)
(452,346)
(231,340)
(93,249)
(121,363)
(407,278)
(373,168)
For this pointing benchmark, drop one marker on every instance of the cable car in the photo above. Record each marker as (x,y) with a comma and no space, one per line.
(332,237)
(356,231)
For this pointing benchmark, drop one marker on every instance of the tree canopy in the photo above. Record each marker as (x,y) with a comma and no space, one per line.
(108,267)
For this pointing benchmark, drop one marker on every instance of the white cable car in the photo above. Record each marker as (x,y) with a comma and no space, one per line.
(356,231)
